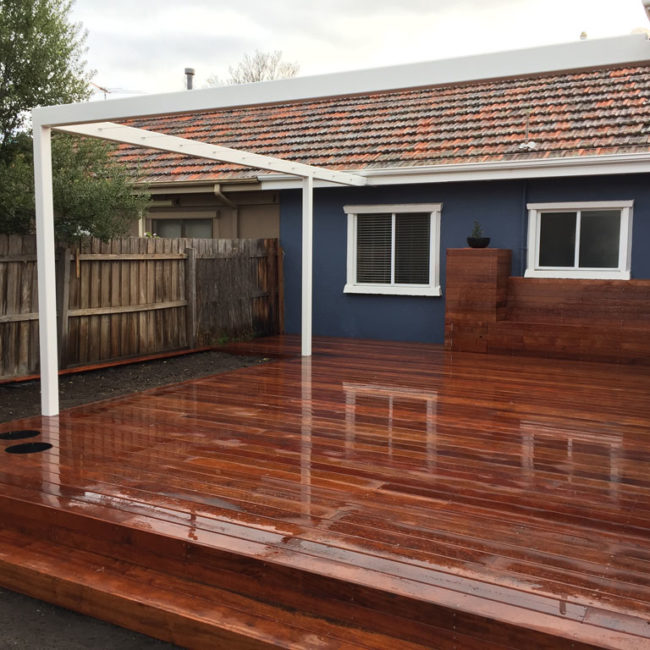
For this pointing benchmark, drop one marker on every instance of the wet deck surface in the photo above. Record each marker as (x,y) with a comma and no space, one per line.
(488,481)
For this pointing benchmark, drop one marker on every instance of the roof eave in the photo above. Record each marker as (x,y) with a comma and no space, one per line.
(199,187)
(627,163)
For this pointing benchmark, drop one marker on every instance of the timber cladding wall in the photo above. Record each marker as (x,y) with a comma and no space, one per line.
(138,296)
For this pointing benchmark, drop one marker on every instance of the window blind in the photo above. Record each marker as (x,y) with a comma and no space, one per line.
(374,244)
(412,242)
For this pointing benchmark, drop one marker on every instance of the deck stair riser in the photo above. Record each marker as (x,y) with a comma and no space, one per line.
(252,572)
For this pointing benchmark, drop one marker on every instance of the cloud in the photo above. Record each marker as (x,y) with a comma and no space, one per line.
(147,43)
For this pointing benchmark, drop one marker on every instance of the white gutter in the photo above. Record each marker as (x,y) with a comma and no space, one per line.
(632,163)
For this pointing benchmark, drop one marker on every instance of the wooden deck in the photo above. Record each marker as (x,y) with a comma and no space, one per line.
(377,495)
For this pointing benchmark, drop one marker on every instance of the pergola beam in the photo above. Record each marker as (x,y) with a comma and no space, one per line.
(153,140)
(164,142)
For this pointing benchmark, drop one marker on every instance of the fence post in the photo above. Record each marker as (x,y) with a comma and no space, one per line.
(190,296)
(63,301)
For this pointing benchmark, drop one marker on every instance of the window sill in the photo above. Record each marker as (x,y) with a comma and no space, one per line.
(389,290)
(578,275)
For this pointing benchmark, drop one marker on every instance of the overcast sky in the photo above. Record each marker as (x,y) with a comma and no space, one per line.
(144,45)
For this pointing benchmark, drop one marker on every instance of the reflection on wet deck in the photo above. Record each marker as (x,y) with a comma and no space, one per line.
(512,487)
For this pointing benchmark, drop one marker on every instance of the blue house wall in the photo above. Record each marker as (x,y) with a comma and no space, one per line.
(500,206)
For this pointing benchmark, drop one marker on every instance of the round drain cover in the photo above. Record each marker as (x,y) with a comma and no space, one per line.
(28,448)
(20,434)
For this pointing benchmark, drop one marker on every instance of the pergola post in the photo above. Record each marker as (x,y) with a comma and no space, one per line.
(58,117)
(307,263)
(46,271)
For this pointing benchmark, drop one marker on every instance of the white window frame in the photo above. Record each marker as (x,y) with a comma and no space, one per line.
(534,270)
(432,288)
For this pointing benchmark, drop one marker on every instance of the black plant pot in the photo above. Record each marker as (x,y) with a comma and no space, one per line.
(478,242)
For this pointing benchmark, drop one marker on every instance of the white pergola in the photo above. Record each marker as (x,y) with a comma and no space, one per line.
(96,119)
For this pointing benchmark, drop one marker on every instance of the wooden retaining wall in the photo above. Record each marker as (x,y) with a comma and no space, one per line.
(137,296)
(593,320)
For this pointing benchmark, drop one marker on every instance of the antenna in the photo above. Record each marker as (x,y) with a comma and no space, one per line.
(119,91)
(106,91)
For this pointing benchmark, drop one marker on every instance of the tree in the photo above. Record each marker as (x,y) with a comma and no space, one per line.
(42,63)
(93,193)
(17,187)
(260,66)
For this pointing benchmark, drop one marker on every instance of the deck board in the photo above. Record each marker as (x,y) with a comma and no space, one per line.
(514,488)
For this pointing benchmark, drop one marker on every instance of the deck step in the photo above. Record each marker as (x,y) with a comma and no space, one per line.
(199,588)
(185,592)
(155,603)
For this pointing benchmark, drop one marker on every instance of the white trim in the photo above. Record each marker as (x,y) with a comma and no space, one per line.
(390,208)
(392,248)
(307,264)
(154,140)
(623,272)
(580,205)
(394,209)
(200,187)
(351,256)
(565,56)
(578,274)
(46,270)
(434,252)
(393,290)
(626,163)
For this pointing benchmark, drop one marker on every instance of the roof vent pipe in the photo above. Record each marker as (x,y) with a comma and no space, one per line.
(189,76)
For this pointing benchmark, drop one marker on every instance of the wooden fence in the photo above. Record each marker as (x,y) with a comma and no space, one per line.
(137,296)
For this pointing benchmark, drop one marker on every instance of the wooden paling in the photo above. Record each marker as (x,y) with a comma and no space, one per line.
(133,297)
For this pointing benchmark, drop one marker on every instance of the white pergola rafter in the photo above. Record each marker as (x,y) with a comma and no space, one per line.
(164,142)
(149,139)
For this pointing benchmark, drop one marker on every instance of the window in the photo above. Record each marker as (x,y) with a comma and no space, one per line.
(394,249)
(580,240)
(194,228)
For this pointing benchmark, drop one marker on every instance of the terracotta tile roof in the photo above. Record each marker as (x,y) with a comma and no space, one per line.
(591,112)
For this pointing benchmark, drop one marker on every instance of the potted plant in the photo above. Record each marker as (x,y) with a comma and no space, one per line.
(476,239)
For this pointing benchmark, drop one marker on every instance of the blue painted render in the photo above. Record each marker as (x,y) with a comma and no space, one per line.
(500,206)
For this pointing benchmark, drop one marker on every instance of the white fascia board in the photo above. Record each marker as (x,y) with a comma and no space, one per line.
(537,60)
(635,163)
(199,187)
(167,188)
(202,188)
(154,140)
